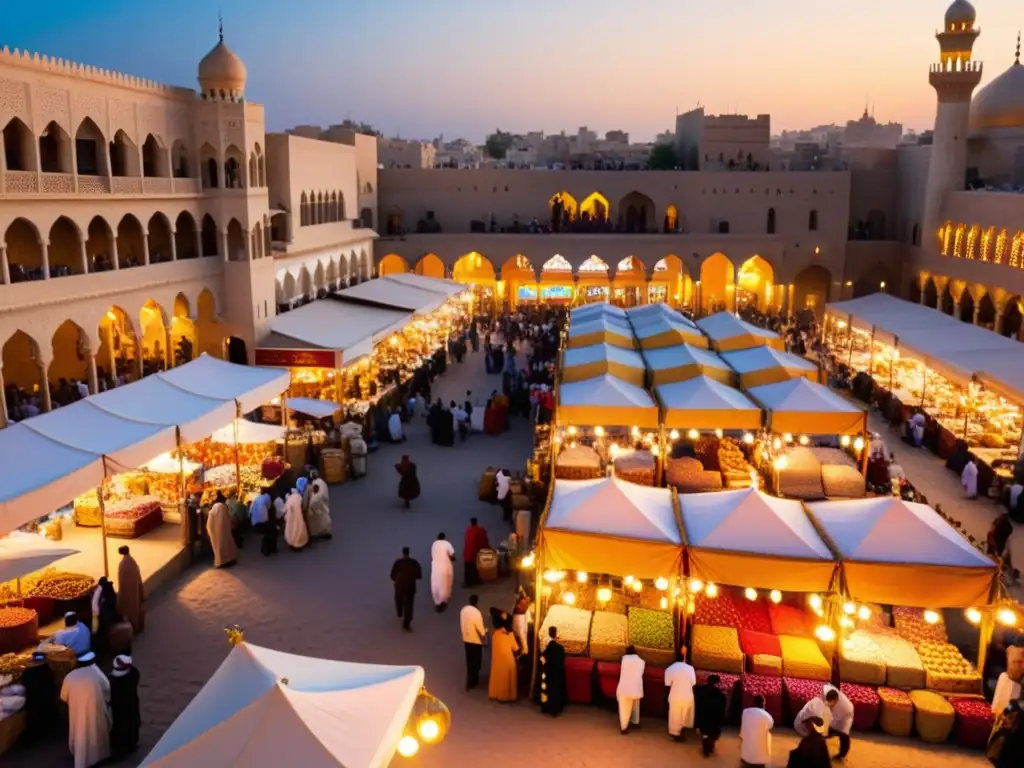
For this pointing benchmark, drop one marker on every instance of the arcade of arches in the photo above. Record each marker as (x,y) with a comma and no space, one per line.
(721,283)
(40,374)
(992,308)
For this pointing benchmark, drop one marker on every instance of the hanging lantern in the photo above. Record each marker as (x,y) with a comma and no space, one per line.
(863,613)
(696,585)
(776,596)
(604,594)
(750,593)
(408,746)
(693,434)
(661,583)
(849,608)
(569,598)
(711,590)
(973,615)
(814,601)
(932,617)
(581,577)
(845,441)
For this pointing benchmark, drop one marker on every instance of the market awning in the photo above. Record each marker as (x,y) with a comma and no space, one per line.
(600,330)
(581,363)
(801,406)
(765,365)
(682,362)
(265,707)
(24,553)
(728,332)
(248,432)
(248,385)
(606,401)
(393,294)
(649,313)
(747,538)
(328,334)
(612,526)
(434,284)
(703,403)
(597,309)
(903,553)
(669,332)
(308,406)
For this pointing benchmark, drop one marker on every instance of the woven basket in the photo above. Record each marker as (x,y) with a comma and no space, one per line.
(933,716)
(897,713)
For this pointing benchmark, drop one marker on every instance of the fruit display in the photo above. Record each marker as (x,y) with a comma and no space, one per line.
(19,628)
(608,632)
(573,628)
(651,632)
(226,476)
(933,716)
(801,477)
(802,657)
(903,667)
(911,626)
(897,712)
(787,620)
(947,670)
(770,688)
(763,664)
(716,649)
(131,518)
(759,643)
(211,454)
(860,659)
(165,487)
(720,611)
(799,691)
(636,467)
(973,723)
(58,585)
(866,704)
(752,614)
(579,462)
(87,510)
(13,664)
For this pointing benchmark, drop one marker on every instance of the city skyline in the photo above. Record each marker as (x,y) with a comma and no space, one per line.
(420,71)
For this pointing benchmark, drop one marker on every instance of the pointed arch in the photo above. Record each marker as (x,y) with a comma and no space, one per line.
(185,243)
(931,294)
(236,242)
(671,223)
(341,206)
(124,156)
(69,346)
(90,157)
(131,248)
(19,146)
(22,373)
(717,283)
(366,218)
(965,307)
(99,245)
(209,166)
(1016,260)
(119,354)
(184,339)
(770,224)
(154,158)
(332,207)
(304,218)
(812,220)
(181,168)
(959,238)
(210,237)
(24,251)
(671,283)
(564,209)
(756,284)
(971,250)
(636,212)
(594,264)
(475,269)
(430,265)
(55,149)
(160,238)
(65,249)
(392,264)
(986,314)
(1000,251)
(812,288)
(234,168)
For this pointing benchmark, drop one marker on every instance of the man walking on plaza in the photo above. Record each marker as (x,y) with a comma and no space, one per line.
(473,635)
(405,573)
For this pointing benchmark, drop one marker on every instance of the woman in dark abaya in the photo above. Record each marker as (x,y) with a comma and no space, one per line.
(553,693)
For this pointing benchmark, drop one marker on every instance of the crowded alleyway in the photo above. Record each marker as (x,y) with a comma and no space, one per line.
(335,601)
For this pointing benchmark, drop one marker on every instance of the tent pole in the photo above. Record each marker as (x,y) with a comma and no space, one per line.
(238,462)
(103,530)
(186,533)
(538,598)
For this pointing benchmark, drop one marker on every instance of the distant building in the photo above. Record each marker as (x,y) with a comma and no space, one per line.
(722,142)
(401,153)
(867,132)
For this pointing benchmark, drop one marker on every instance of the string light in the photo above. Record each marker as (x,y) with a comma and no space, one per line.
(1007,617)
(748,438)
(635,431)
(845,441)
(776,444)
(814,601)
(825,634)
(599,431)
(719,433)
(931,617)
(750,593)
(654,450)
(528,561)
(638,585)
(604,594)
(849,609)
(788,437)
(696,585)
(581,577)
(846,622)
(408,746)
(858,444)
(661,583)
(664,603)
(674,434)
(628,580)
(776,596)
(973,615)
(804,440)
(781,462)
(569,598)
(863,613)
(711,590)
(693,434)
(572,430)
(429,730)
(554,576)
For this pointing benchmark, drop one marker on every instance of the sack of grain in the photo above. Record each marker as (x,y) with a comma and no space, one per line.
(802,657)
(717,649)
(896,717)
(608,633)
(933,716)
(842,482)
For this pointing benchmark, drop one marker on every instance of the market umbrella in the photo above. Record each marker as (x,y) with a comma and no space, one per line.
(22,554)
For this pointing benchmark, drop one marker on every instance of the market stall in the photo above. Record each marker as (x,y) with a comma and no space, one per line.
(600,330)
(799,406)
(679,363)
(579,363)
(234,457)
(766,365)
(703,403)
(647,313)
(727,332)
(666,331)
(605,400)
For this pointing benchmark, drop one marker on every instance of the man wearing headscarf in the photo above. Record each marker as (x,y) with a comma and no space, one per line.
(124,707)
(218,528)
(130,594)
(86,691)
(296,535)
(442,572)
(75,635)
(318,511)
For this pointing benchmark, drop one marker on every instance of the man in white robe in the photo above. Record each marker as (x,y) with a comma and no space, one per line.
(503,483)
(86,691)
(756,735)
(442,571)
(680,679)
(835,711)
(395,427)
(630,689)
(222,540)
(296,535)
(969,479)
(318,513)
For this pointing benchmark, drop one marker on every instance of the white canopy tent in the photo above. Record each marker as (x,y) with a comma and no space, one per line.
(595,310)
(684,361)
(580,363)
(801,406)
(268,708)
(748,538)
(669,331)
(23,553)
(728,332)
(308,406)
(606,401)
(704,403)
(903,553)
(765,365)
(350,330)
(647,313)
(250,386)
(395,294)
(434,284)
(248,432)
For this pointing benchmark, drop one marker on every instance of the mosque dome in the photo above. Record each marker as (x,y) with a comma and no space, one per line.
(960,12)
(1000,104)
(221,73)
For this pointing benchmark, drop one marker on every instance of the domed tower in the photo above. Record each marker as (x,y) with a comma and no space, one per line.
(954,79)
(221,73)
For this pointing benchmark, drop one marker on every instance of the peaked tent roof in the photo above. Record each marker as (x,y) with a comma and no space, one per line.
(612,526)
(878,538)
(704,403)
(606,400)
(393,294)
(684,361)
(748,538)
(265,707)
(579,363)
(727,332)
(649,313)
(435,284)
(668,331)
(800,405)
(595,309)
(209,377)
(348,328)
(248,432)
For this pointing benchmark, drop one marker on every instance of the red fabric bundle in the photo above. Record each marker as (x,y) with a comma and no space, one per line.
(579,674)
(770,688)
(655,700)
(973,722)
(753,615)
(787,620)
(866,705)
(752,643)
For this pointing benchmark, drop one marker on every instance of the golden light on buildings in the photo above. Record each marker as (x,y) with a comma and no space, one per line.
(973,615)
(776,596)
(408,746)
(931,617)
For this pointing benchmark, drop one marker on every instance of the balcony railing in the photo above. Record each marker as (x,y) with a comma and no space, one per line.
(32,183)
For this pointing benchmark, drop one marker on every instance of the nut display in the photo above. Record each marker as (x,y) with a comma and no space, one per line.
(651,629)
(608,632)
(573,628)
(717,649)
(802,657)
(947,670)
(57,585)
(19,628)
(16,617)
(903,667)
(911,626)
(14,663)
(861,660)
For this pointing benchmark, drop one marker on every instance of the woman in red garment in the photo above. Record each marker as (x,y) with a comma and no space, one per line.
(476,539)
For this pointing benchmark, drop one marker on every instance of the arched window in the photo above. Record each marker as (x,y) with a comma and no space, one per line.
(812,221)
(771,221)
(341,206)
(303,211)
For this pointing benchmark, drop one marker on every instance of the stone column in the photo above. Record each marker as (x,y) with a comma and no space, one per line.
(94,384)
(977,311)
(85,258)
(45,249)
(199,243)
(113,253)
(736,292)
(5,267)
(174,246)
(169,352)
(138,360)
(997,325)
(225,256)
(145,248)
(44,387)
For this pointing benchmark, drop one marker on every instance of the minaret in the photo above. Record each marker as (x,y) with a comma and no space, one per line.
(954,79)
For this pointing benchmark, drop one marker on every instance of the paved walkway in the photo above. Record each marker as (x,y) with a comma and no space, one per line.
(334,601)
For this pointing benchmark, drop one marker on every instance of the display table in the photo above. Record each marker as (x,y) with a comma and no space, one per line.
(973,723)
(655,700)
(579,678)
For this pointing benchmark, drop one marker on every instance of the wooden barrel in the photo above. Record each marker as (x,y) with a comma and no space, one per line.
(333,465)
(295,453)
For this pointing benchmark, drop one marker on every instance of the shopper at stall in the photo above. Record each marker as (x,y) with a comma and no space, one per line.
(812,751)
(124,708)
(630,689)
(96,593)
(239,516)
(442,571)
(835,710)
(554,688)
(75,636)
(503,682)
(86,691)
(680,678)
(471,622)
(474,540)
(408,483)
(405,572)
(521,619)
(107,618)
(218,528)
(709,717)
(296,535)
(756,735)
(319,508)
(130,593)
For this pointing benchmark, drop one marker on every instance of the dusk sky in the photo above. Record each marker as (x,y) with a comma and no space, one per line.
(461,68)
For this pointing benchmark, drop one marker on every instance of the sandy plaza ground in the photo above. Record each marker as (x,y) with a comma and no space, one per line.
(334,600)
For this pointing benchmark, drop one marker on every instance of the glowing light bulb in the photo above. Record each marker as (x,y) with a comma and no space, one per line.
(572,430)
(696,585)
(804,440)
(719,433)
(846,622)
(581,577)
(711,590)
(654,450)
(693,434)
(528,561)
(691,607)
(776,596)
(638,585)
(674,434)
(635,431)
(788,437)
(845,441)
(661,583)
(429,730)
(824,633)
(604,594)
(553,577)
(863,613)
(776,444)
(931,617)
(599,431)
(814,601)
(973,615)
(750,593)
(1007,617)
(614,450)
(748,438)
(858,444)
(781,463)
(664,603)
(408,746)
(849,609)
(628,580)
(569,598)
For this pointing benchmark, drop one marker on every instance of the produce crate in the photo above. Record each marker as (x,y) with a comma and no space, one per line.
(903,667)
(652,634)
(973,723)
(720,611)
(753,615)
(759,643)
(933,716)
(19,628)
(716,649)
(579,679)
(787,620)
(866,705)
(946,669)
(573,628)
(860,660)
(896,717)
(608,633)
(911,626)
(769,687)
(764,664)
(655,700)
(803,658)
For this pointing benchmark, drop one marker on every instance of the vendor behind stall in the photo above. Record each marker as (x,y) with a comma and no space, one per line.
(75,635)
